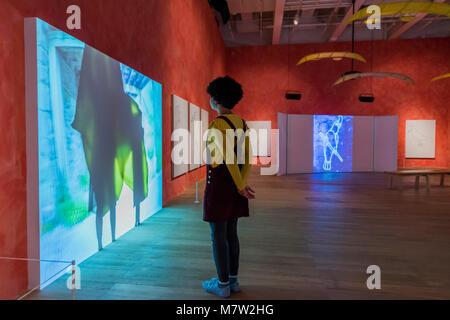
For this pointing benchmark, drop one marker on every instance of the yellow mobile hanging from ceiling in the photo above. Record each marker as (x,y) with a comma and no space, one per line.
(405,9)
(357,75)
(331,55)
(442,76)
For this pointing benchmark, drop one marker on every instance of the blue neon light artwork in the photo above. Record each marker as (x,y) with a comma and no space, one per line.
(333,143)
(100,148)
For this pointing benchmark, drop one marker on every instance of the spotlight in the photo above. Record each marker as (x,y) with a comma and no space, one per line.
(293,95)
(366,97)
(296,19)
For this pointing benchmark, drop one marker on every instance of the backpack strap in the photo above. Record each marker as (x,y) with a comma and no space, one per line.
(227,121)
(244,124)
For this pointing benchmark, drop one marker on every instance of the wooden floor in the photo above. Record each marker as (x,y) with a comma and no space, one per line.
(310,236)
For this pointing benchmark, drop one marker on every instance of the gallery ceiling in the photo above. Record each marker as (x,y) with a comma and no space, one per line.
(265,22)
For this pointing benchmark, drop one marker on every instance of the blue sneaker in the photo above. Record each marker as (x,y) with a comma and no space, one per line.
(234,285)
(212,286)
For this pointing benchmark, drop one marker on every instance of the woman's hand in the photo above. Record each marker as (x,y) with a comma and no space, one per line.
(247,192)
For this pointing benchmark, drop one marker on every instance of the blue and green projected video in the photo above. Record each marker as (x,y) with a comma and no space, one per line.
(333,143)
(100,148)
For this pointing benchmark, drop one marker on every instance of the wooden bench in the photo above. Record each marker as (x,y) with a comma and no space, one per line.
(422,172)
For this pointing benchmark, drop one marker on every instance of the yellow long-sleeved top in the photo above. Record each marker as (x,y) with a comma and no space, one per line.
(217,142)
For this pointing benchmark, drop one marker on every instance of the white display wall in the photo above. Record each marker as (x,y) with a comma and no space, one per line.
(325,143)
(260,137)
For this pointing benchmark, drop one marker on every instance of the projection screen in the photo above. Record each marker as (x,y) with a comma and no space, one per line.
(97,125)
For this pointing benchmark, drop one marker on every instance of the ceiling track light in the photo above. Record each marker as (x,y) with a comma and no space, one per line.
(296,19)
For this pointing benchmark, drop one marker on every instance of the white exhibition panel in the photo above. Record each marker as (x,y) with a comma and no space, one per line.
(205,123)
(260,137)
(180,120)
(195,137)
(385,143)
(420,141)
(363,135)
(299,147)
(32,147)
(282,142)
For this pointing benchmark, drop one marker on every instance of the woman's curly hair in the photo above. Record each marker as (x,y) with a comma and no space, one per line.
(225,91)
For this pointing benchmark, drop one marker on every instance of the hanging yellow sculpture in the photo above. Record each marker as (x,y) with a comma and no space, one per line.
(407,18)
(331,55)
(405,8)
(442,76)
(357,75)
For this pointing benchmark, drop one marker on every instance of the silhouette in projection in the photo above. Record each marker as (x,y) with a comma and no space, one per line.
(110,124)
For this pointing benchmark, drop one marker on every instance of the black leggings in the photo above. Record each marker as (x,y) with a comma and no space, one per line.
(225,245)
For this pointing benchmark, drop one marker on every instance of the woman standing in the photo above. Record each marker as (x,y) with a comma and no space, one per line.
(226,193)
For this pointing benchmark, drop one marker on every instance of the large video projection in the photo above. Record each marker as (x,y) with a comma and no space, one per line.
(99,147)
(333,143)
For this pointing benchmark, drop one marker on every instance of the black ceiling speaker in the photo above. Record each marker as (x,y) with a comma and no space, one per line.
(293,95)
(221,6)
(366,97)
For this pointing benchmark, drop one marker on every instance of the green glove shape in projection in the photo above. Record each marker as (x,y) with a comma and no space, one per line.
(110,124)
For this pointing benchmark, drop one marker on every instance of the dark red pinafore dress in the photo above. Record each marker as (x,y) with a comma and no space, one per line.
(222,201)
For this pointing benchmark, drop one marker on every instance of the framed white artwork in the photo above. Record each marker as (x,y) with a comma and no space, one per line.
(205,123)
(180,120)
(420,139)
(195,137)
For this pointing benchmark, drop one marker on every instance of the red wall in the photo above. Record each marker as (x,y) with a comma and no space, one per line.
(13,227)
(176,43)
(263,72)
